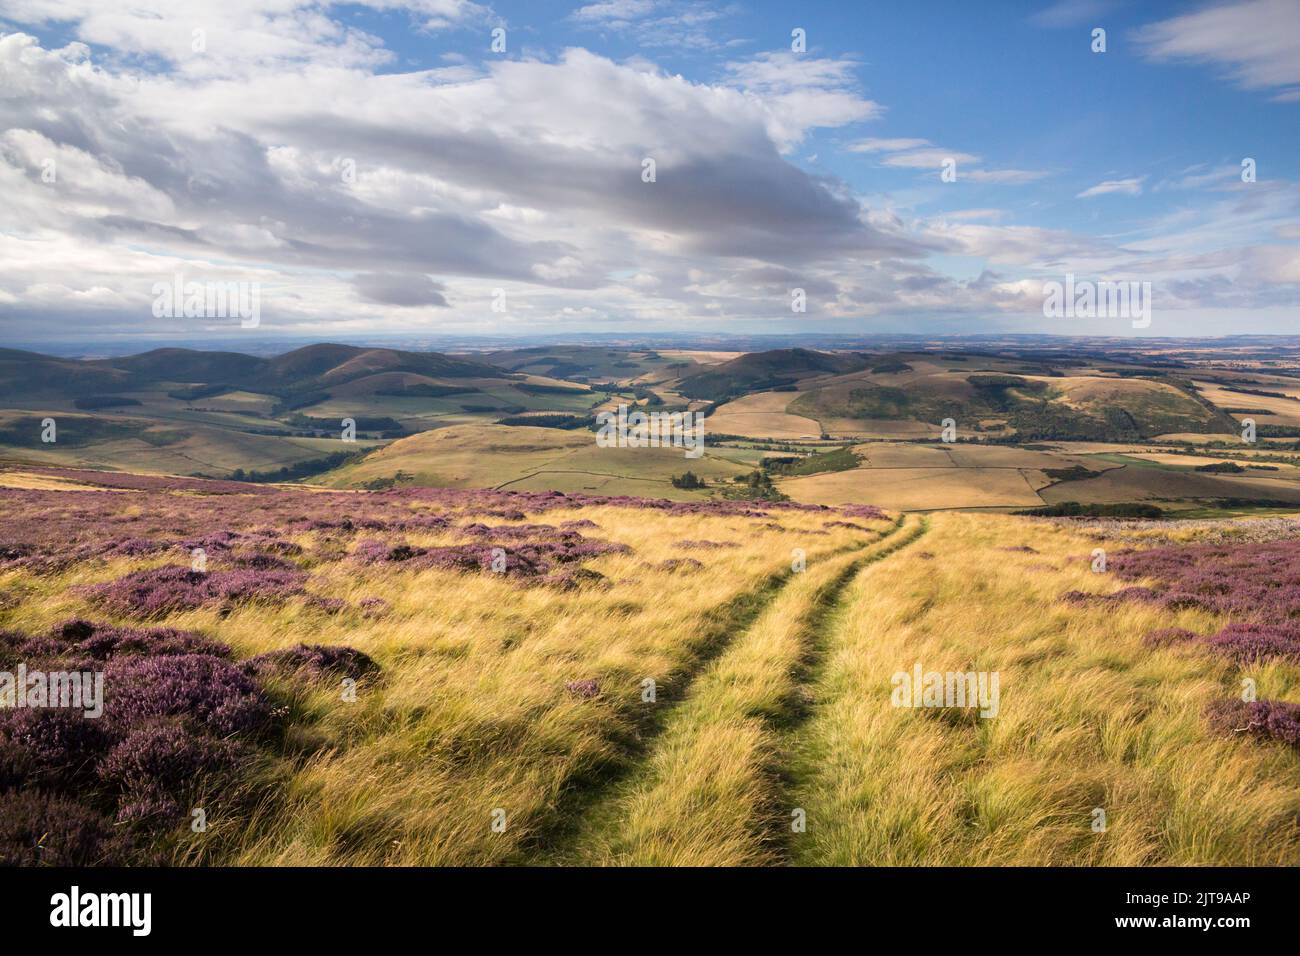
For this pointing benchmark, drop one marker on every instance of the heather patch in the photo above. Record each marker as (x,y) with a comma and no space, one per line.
(373,607)
(154,763)
(169,724)
(158,591)
(572,578)
(1266,719)
(1252,580)
(315,661)
(179,716)
(47,531)
(43,829)
(689,545)
(1257,585)
(866,512)
(1109,600)
(839,524)
(678,565)
(1181,531)
(209,693)
(326,605)
(75,643)
(514,556)
(1245,642)
(585,689)
(261,561)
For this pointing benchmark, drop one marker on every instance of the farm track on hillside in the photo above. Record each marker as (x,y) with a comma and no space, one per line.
(708,789)
(814,693)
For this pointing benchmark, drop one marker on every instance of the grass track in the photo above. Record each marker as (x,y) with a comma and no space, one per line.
(709,790)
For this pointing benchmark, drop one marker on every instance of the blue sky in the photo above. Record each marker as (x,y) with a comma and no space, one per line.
(518,172)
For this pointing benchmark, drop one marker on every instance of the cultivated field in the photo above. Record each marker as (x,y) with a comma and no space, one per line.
(523,458)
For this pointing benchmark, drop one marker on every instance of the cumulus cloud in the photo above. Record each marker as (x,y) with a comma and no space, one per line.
(360,193)
(333,172)
(402,289)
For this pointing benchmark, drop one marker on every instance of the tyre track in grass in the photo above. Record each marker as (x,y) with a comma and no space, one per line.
(798,754)
(705,791)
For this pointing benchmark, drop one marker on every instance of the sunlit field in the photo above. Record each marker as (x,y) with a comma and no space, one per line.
(424,676)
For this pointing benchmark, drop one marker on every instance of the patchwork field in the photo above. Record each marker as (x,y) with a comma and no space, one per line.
(496,678)
(1282,408)
(919,489)
(523,458)
(762,415)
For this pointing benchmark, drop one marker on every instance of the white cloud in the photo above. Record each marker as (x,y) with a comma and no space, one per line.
(1125,187)
(885,145)
(1257,42)
(619,11)
(516,173)
(1072,13)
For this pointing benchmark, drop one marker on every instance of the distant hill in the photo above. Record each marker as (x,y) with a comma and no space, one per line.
(304,370)
(1084,408)
(764,370)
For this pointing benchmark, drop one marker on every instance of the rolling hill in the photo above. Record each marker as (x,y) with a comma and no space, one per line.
(760,371)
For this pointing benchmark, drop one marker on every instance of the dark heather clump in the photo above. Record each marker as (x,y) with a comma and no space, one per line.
(689,545)
(1119,597)
(328,605)
(102,642)
(540,560)
(373,607)
(208,692)
(868,512)
(1255,583)
(44,829)
(169,722)
(674,565)
(154,762)
(178,716)
(1268,719)
(316,661)
(51,748)
(158,591)
(1246,642)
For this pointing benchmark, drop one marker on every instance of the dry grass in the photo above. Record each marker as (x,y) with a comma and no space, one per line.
(708,793)
(1089,718)
(472,714)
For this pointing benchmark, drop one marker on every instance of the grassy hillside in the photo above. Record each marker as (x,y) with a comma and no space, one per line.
(759,371)
(1065,408)
(532,459)
(639,682)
